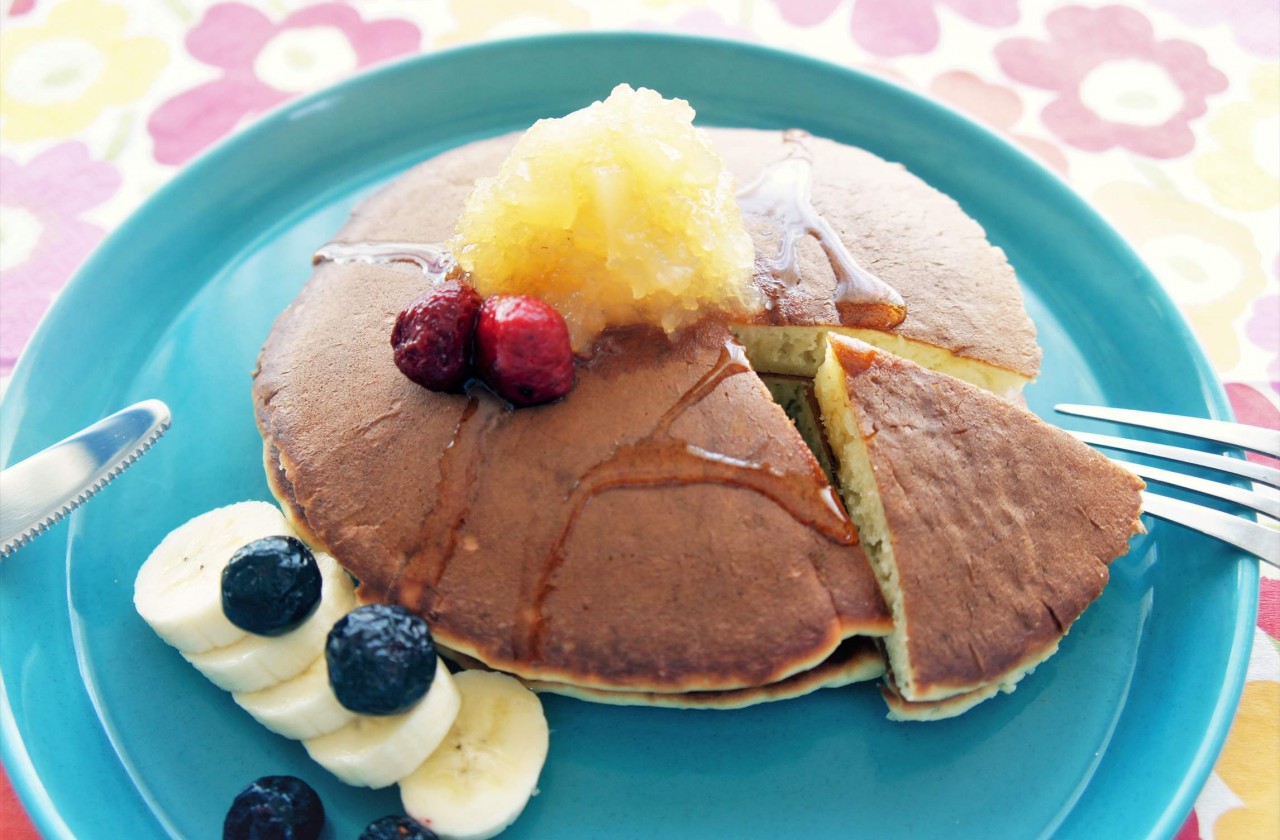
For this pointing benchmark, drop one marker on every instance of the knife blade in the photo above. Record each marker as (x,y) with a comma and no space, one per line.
(37,492)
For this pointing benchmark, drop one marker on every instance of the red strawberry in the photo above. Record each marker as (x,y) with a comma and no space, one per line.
(433,336)
(522,350)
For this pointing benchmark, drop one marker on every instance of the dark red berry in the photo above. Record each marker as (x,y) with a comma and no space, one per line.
(433,336)
(522,350)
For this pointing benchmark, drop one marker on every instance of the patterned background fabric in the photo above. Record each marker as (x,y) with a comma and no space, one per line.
(1165,114)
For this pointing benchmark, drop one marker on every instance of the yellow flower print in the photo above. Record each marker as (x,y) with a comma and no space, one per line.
(1244,172)
(57,78)
(1246,768)
(503,18)
(1210,265)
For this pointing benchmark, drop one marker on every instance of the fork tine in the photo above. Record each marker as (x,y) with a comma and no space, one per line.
(1256,438)
(1262,503)
(1235,466)
(1250,536)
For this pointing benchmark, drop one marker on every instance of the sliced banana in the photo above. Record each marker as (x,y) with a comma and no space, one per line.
(258,662)
(300,708)
(178,590)
(478,781)
(377,750)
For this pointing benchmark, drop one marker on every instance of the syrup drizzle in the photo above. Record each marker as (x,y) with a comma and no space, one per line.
(782,193)
(660,459)
(434,260)
(425,564)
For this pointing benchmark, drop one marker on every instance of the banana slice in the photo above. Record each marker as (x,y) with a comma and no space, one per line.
(300,708)
(376,750)
(478,781)
(258,662)
(178,590)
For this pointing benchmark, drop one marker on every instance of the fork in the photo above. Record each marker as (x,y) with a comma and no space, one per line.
(1247,534)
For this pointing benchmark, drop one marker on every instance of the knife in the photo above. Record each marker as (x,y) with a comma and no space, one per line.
(37,492)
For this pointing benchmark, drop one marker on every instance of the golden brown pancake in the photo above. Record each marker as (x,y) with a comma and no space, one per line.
(990,530)
(664,528)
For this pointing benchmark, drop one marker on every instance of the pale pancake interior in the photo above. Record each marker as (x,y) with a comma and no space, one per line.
(862,499)
(800,351)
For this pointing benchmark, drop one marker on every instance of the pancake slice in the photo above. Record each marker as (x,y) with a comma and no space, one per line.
(990,531)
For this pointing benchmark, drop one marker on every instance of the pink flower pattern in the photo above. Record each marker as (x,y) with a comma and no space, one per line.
(1255,24)
(1263,328)
(998,107)
(1252,407)
(899,27)
(55,187)
(1269,607)
(1081,40)
(230,37)
(1190,829)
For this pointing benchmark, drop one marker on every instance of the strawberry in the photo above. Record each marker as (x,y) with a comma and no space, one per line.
(433,336)
(522,350)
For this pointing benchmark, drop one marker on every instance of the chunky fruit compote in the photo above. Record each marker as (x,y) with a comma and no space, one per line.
(620,213)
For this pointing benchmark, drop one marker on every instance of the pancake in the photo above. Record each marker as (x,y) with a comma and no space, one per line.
(990,530)
(662,529)
(857,659)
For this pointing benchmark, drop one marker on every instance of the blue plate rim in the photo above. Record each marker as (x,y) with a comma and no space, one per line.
(13,754)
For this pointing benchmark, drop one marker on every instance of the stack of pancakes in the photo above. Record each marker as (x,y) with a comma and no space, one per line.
(662,535)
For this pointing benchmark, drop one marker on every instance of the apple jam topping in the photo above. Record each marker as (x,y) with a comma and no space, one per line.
(620,213)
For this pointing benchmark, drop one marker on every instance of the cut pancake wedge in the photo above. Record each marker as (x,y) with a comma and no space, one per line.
(990,531)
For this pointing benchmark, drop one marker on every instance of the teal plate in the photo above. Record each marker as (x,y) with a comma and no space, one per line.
(108,733)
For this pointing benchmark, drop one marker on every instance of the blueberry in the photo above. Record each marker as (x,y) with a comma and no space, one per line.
(275,808)
(396,828)
(381,659)
(270,586)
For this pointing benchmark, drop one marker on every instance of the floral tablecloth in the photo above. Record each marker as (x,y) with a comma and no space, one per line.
(1165,114)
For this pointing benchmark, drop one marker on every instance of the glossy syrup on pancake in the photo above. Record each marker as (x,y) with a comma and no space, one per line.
(662,459)
(658,459)
(783,193)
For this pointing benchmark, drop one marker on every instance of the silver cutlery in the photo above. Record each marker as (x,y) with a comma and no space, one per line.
(1248,534)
